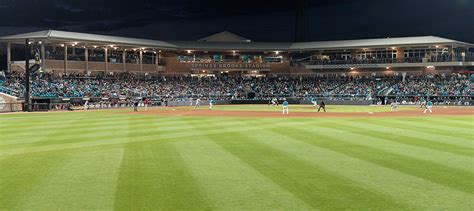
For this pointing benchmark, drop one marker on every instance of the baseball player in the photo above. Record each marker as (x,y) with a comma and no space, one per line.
(393,106)
(428,107)
(314,102)
(86,105)
(135,105)
(145,102)
(211,103)
(285,107)
(274,102)
(198,103)
(322,105)
(422,102)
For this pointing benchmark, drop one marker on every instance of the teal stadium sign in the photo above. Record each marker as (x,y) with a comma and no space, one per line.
(231,66)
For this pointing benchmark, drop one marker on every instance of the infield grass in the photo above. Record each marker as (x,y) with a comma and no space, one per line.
(116,160)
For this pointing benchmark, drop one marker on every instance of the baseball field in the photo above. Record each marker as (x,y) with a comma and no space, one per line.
(238,158)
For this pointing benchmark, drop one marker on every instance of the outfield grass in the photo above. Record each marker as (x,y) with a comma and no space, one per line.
(298,108)
(114,160)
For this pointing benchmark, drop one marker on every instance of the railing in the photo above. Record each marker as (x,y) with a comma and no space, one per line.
(8,91)
(376,61)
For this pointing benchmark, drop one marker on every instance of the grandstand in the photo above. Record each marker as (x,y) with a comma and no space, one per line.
(229,67)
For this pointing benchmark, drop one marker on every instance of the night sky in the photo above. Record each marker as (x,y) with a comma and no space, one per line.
(258,20)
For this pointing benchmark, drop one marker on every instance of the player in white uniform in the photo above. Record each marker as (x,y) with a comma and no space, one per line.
(394,106)
(198,103)
(86,105)
(211,103)
(285,107)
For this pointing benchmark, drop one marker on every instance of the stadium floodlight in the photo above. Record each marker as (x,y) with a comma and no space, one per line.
(62,45)
(39,42)
(352,68)
(75,43)
(277,52)
(95,46)
(437,46)
(387,68)
(189,51)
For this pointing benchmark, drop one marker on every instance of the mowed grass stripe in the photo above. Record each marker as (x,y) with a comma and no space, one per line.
(85,180)
(463,122)
(74,133)
(413,192)
(229,183)
(438,128)
(19,175)
(138,137)
(414,133)
(303,179)
(430,127)
(444,158)
(449,177)
(154,176)
(398,135)
(89,122)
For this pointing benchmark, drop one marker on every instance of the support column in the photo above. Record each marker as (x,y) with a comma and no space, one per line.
(124,61)
(451,53)
(463,54)
(65,59)
(141,61)
(86,58)
(27,75)
(43,57)
(106,60)
(9,57)
(156,61)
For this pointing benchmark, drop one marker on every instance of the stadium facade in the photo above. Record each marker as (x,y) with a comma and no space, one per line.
(63,52)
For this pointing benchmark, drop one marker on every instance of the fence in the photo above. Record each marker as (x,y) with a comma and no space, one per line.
(10,107)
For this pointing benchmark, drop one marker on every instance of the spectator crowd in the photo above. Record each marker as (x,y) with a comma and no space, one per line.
(236,87)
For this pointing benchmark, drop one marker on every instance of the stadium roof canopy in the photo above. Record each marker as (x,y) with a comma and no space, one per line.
(60,37)
(376,43)
(226,41)
(229,46)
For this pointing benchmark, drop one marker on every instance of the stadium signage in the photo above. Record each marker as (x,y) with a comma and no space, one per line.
(230,66)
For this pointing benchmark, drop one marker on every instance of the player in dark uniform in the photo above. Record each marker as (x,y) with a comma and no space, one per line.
(322,105)
(135,105)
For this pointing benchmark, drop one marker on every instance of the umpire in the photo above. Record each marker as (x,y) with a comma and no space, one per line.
(322,105)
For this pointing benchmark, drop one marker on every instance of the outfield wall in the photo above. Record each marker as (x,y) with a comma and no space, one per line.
(9,103)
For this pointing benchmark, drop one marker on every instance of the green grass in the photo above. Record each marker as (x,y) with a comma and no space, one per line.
(114,160)
(299,108)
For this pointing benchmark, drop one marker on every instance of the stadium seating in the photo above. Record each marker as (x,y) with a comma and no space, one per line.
(226,87)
